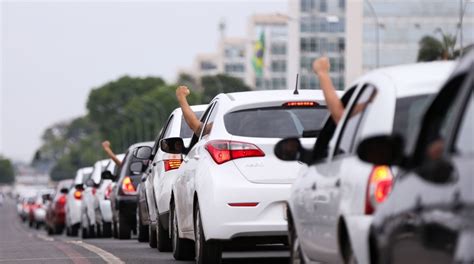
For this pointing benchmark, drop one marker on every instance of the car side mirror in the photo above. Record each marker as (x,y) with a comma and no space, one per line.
(290,149)
(64,190)
(136,167)
(47,197)
(143,153)
(79,186)
(382,150)
(90,183)
(107,175)
(174,145)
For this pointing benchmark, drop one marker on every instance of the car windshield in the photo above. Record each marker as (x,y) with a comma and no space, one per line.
(185,131)
(408,112)
(275,122)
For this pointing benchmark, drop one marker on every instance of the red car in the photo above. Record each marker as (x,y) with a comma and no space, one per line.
(56,209)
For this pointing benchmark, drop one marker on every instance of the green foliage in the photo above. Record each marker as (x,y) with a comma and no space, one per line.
(432,49)
(221,83)
(7,173)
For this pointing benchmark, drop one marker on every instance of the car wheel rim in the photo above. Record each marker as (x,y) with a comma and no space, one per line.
(197,232)
(296,256)
(175,231)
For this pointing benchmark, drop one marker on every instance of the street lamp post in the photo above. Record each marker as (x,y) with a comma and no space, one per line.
(462,11)
(377,36)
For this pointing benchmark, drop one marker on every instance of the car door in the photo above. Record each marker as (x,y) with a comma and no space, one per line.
(326,186)
(185,182)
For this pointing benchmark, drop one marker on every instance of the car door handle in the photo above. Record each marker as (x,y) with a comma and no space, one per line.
(196,157)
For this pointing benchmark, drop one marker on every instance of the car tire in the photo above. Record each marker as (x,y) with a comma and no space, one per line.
(114,229)
(37,225)
(74,230)
(296,256)
(124,230)
(58,230)
(183,249)
(142,230)
(350,257)
(207,252)
(49,230)
(106,229)
(162,237)
(152,241)
(98,230)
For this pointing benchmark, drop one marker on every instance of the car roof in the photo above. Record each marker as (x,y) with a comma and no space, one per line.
(414,79)
(141,144)
(277,95)
(195,108)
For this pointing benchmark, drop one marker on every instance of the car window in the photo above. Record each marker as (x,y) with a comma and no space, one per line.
(321,147)
(185,131)
(354,119)
(464,144)
(195,137)
(207,127)
(275,122)
(408,113)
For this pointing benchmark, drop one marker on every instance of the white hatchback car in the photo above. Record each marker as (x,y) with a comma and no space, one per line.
(89,202)
(161,176)
(230,185)
(74,201)
(332,201)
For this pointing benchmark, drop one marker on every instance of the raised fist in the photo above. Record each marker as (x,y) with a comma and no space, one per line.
(182,91)
(106,144)
(321,66)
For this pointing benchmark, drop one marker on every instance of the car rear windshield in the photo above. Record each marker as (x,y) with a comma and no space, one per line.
(275,122)
(185,131)
(408,112)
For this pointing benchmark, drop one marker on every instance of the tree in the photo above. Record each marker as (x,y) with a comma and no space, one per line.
(221,83)
(7,173)
(189,81)
(432,49)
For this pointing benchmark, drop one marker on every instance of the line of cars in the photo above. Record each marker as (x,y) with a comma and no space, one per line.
(390,182)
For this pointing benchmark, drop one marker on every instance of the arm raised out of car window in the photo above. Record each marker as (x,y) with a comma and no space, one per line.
(321,68)
(189,116)
(110,153)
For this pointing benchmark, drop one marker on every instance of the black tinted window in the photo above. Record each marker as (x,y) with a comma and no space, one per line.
(464,141)
(185,131)
(275,122)
(408,112)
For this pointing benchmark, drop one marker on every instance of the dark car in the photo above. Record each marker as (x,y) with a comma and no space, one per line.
(123,197)
(429,216)
(56,210)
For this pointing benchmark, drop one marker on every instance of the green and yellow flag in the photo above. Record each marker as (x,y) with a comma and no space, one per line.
(259,50)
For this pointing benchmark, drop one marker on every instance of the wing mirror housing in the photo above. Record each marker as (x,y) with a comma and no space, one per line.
(382,150)
(174,145)
(290,149)
(143,153)
(107,175)
(64,190)
(136,167)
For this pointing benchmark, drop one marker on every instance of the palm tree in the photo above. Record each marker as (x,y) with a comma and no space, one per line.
(432,49)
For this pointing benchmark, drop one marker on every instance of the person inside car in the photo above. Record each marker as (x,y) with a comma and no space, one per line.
(189,116)
(108,150)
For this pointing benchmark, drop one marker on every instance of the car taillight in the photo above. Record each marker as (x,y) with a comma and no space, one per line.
(378,187)
(172,164)
(300,104)
(78,195)
(94,190)
(225,150)
(61,201)
(127,186)
(108,192)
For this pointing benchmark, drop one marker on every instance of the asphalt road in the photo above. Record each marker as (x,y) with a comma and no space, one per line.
(21,244)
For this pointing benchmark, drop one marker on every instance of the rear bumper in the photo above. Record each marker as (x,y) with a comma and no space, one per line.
(105,210)
(74,212)
(126,205)
(40,215)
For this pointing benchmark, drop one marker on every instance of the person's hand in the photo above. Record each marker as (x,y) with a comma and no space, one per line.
(182,92)
(106,144)
(321,66)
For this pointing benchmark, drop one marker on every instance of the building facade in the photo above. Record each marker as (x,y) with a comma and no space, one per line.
(316,28)
(387,32)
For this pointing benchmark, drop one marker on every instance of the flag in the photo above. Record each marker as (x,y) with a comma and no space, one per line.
(259,50)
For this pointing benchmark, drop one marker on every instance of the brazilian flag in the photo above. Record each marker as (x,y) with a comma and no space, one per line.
(259,50)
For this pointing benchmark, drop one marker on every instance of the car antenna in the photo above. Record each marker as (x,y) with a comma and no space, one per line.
(296,87)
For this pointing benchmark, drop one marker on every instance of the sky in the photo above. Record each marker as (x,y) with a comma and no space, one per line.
(53,53)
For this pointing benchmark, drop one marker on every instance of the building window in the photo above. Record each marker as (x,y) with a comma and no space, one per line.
(304,46)
(279,83)
(234,68)
(307,5)
(342,4)
(323,45)
(278,49)
(207,65)
(313,45)
(323,6)
(279,66)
